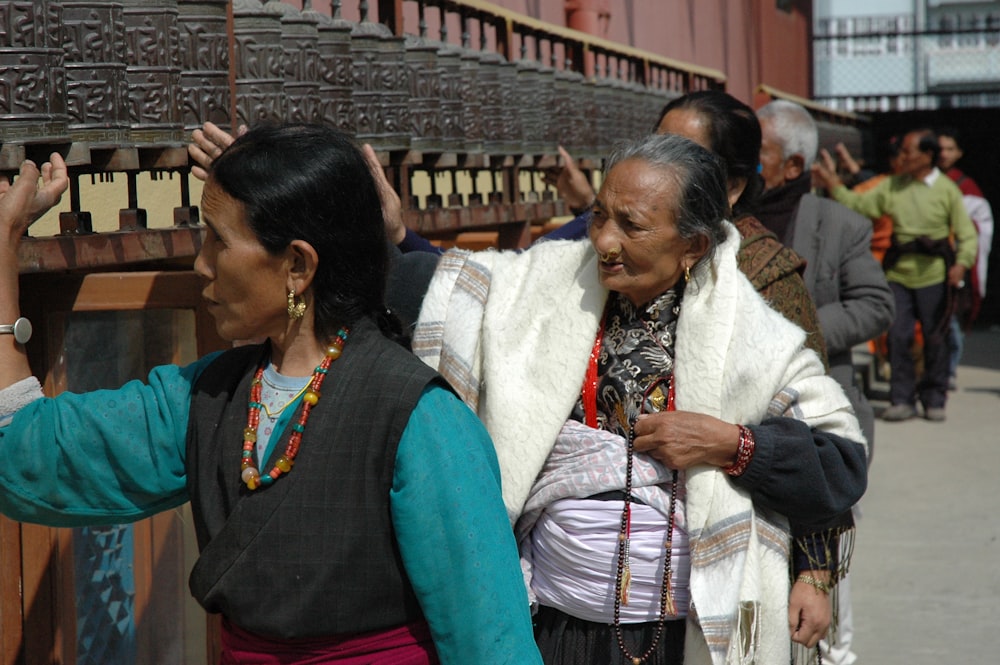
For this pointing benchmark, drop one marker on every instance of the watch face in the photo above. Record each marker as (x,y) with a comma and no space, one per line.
(22,330)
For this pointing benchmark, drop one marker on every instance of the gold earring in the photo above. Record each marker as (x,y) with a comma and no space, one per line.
(296,310)
(687,274)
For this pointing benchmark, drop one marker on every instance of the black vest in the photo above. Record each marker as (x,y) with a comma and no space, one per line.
(313,554)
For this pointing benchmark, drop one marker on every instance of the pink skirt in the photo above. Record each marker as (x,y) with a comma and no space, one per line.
(406,645)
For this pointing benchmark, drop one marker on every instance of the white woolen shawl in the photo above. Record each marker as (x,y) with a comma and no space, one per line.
(513,333)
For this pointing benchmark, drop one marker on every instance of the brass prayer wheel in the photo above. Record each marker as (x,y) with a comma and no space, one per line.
(153,72)
(424,87)
(204,57)
(471,93)
(93,39)
(260,84)
(381,87)
(449,64)
(300,47)
(32,73)
(334,62)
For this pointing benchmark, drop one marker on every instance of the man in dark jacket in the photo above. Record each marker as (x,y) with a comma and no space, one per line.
(849,287)
(852,296)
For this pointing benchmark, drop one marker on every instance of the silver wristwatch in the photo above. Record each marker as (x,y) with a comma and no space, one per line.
(20,329)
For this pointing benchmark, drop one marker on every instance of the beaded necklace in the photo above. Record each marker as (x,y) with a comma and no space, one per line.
(623,576)
(249,473)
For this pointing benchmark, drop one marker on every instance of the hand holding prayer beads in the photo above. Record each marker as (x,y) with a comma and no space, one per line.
(681,439)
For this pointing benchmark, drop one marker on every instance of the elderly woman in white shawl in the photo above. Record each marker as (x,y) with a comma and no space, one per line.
(656,423)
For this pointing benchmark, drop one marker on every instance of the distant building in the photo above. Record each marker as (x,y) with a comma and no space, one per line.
(905,55)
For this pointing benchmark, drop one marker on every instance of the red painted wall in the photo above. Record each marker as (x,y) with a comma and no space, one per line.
(751,41)
(785,47)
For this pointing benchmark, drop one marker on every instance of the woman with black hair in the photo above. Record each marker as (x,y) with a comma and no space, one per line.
(347,504)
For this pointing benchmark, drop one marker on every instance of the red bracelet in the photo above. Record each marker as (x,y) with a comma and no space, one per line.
(744,452)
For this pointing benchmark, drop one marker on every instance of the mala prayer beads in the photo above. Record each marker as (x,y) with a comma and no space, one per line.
(249,473)
(623,574)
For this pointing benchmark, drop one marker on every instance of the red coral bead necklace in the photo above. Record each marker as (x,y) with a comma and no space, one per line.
(249,473)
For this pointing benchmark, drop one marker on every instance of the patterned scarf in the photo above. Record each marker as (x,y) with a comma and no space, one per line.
(636,360)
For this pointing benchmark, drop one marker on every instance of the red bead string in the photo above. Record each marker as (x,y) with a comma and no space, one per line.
(249,472)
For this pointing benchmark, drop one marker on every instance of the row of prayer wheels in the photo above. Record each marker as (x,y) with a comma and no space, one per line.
(143,73)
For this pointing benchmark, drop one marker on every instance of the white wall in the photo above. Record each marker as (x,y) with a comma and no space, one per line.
(837,8)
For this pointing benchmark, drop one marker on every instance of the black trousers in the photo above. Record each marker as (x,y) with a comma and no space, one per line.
(566,640)
(926,305)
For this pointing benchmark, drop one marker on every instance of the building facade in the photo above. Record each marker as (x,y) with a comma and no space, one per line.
(905,55)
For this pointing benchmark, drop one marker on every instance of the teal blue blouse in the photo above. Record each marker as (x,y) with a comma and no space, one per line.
(113,456)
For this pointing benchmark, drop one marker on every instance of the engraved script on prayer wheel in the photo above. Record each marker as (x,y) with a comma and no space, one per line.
(381,91)
(452,116)
(204,56)
(93,41)
(471,93)
(492,104)
(153,72)
(335,82)
(32,78)
(510,128)
(260,91)
(606,106)
(299,43)
(501,123)
(424,80)
(585,123)
(530,87)
(568,129)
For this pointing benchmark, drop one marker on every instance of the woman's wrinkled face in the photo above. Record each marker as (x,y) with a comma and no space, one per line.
(245,285)
(634,231)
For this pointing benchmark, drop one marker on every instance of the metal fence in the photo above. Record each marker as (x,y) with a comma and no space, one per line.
(904,69)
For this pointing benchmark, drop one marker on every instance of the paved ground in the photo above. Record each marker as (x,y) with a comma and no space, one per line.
(926,573)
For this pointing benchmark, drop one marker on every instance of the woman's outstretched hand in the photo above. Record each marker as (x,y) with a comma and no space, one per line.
(21,203)
(206,145)
(572,184)
(24,201)
(392,207)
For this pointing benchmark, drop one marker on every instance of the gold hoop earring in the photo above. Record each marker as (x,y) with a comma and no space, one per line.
(687,274)
(296,310)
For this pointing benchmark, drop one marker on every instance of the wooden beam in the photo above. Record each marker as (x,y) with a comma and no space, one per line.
(101,250)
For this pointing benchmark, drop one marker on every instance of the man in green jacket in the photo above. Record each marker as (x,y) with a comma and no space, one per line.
(933,244)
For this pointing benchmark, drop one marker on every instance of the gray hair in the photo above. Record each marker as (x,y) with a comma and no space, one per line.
(700,176)
(794,129)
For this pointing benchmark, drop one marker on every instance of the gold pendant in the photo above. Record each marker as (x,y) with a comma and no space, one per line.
(626,583)
(657,399)
(669,608)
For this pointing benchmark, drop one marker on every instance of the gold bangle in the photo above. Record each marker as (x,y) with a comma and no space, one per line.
(813,582)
